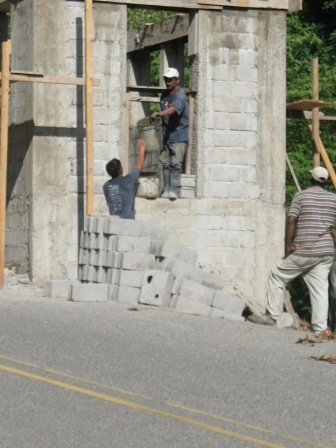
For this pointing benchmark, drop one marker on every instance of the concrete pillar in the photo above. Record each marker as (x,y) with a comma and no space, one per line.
(238,69)
(47,138)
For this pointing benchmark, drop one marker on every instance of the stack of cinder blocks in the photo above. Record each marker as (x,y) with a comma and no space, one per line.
(134,262)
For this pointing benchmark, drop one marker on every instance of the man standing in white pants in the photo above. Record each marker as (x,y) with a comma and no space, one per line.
(309,251)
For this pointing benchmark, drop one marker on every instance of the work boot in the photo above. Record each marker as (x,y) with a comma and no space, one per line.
(175,180)
(166,184)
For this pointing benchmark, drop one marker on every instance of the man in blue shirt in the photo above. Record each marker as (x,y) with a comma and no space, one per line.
(175,128)
(120,191)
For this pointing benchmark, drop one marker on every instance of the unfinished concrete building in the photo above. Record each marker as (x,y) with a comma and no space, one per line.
(233,212)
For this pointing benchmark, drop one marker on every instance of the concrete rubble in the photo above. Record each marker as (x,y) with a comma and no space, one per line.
(133,262)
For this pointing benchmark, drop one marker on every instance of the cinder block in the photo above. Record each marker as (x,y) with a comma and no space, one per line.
(100,275)
(188,181)
(197,292)
(110,243)
(171,250)
(133,244)
(108,259)
(212,281)
(89,292)
(118,226)
(127,294)
(157,288)
(58,288)
(137,262)
(187,193)
(131,278)
(187,305)
(228,303)
(98,224)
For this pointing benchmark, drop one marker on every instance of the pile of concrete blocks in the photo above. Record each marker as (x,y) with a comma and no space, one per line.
(188,185)
(134,262)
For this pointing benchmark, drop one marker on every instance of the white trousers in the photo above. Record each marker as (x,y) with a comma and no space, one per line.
(315,272)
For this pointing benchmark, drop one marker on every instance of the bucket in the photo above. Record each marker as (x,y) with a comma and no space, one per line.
(151,131)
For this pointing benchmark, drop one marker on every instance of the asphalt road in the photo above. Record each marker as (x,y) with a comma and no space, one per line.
(106,375)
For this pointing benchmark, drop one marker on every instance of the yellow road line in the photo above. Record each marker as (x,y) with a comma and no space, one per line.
(72,377)
(139,407)
(247,425)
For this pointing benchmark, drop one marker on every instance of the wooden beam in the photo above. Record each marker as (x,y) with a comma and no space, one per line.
(307,104)
(3,152)
(145,99)
(268,4)
(89,106)
(158,33)
(315,112)
(164,4)
(325,157)
(50,79)
(293,173)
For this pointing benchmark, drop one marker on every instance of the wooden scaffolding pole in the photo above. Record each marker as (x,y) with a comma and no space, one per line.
(89,107)
(315,112)
(3,152)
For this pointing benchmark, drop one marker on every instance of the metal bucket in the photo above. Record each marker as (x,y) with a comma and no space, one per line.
(151,131)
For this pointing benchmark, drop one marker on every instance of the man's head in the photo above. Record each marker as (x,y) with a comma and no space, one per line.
(320,175)
(114,168)
(171,78)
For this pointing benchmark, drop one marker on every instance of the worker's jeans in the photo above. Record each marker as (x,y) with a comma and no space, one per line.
(172,156)
(315,272)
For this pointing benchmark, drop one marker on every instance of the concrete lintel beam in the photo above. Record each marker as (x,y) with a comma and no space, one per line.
(155,34)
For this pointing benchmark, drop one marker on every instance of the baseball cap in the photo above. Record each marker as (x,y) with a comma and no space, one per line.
(320,174)
(171,73)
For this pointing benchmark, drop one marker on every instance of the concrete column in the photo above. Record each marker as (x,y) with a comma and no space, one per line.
(48,130)
(238,68)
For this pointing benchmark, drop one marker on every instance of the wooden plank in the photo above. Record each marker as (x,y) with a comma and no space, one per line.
(268,4)
(158,33)
(307,104)
(315,112)
(89,106)
(325,157)
(50,79)
(127,136)
(293,173)
(156,89)
(191,129)
(145,99)
(164,4)
(3,152)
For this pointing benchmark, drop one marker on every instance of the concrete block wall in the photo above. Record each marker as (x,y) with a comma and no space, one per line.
(236,222)
(159,274)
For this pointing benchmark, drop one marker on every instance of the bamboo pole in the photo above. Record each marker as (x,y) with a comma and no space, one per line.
(315,111)
(89,107)
(325,157)
(3,152)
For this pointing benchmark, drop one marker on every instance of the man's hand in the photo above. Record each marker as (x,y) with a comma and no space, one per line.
(141,145)
(155,114)
(290,249)
(333,233)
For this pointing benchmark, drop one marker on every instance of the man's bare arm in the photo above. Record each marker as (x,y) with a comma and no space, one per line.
(141,144)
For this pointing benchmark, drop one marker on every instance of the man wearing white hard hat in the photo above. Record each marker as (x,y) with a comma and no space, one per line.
(175,127)
(309,251)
